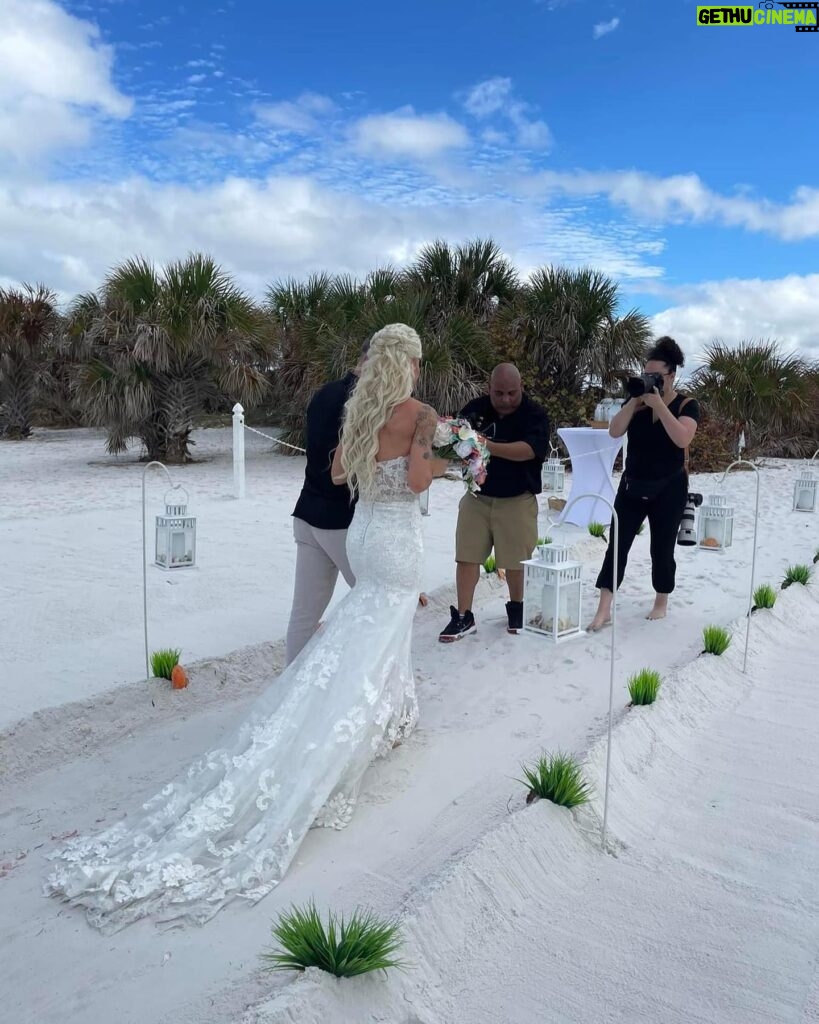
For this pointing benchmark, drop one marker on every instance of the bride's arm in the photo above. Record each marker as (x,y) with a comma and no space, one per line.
(423,465)
(336,471)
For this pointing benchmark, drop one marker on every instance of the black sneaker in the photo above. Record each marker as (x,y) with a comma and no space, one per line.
(459,626)
(514,613)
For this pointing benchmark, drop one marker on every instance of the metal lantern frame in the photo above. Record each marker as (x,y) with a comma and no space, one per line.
(175,523)
(749,465)
(615,529)
(553,473)
(715,510)
(806,489)
(804,492)
(173,487)
(561,577)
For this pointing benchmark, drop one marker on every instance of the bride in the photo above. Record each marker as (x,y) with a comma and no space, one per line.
(232,823)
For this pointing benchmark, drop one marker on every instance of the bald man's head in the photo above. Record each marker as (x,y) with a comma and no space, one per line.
(505,391)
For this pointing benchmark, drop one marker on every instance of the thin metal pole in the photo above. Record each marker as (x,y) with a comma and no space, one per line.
(150,465)
(616,538)
(745,462)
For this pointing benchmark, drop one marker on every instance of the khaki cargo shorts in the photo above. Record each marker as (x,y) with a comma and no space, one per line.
(509,525)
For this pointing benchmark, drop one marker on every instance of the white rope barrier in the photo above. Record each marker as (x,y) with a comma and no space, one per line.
(276,440)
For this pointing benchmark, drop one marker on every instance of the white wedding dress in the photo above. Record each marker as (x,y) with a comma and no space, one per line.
(231,825)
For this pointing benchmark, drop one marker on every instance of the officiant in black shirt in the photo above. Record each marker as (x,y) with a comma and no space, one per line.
(503,516)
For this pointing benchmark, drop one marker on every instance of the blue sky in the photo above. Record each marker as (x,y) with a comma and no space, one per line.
(287,138)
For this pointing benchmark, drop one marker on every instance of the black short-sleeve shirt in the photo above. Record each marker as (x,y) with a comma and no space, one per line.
(651,454)
(323,504)
(529,423)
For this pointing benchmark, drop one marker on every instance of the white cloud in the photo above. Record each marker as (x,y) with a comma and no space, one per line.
(70,234)
(786,309)
(55,74)
(407,134)
(684,198)
(495,96)
(488,97)
(603,28)
(302,115)
(196,79)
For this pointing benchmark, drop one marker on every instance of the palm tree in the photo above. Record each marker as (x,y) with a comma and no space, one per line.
(567,324)
(161,345)
(773,397)
(447,295)
(471,279)
(29,322)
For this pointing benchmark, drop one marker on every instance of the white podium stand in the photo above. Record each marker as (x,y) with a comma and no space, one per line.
(592,452)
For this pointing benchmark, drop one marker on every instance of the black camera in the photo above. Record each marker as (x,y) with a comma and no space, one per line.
(636,387)
(687,535)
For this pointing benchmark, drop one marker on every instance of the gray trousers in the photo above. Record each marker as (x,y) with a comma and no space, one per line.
(320,556)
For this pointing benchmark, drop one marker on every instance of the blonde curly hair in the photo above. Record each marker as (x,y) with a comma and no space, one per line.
(385,382)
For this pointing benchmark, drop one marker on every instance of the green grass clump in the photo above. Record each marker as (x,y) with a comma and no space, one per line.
(163,662)
(342,947)
(643,686)
(490,565)
(597,530)
(556,777)
(716,639)
(544,540)
(764,596)
(797,574)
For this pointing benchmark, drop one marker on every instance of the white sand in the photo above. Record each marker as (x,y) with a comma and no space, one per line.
(707,914)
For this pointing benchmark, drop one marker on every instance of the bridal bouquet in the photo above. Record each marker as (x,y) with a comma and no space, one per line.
(456,441)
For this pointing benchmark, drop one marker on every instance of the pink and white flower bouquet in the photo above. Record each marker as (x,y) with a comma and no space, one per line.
(456,441)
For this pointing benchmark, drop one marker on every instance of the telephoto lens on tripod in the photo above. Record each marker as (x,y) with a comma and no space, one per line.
(687,534)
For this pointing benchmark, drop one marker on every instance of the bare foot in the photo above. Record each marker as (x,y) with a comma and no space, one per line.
(423,600)
(598,623)
(659,610)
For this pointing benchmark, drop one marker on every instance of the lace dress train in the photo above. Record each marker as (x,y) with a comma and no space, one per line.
(232,824)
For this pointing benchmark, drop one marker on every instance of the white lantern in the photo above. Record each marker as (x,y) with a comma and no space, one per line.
(553,476)
(716,524)
(551,593)
(804,492)
(176,537)
(607,409)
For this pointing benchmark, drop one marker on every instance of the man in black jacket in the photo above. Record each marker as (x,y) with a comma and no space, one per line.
(322,515)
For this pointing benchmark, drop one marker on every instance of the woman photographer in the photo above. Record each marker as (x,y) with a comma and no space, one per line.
(660,425)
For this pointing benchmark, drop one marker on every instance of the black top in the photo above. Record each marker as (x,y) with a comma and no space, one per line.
(322,503)
(528,423)
(651,454)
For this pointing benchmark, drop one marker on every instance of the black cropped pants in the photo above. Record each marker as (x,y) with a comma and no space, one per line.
(664,513)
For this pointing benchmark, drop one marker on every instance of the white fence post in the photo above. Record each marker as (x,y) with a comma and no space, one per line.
(238,451)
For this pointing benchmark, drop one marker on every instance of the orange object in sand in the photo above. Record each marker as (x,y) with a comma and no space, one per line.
(179,678)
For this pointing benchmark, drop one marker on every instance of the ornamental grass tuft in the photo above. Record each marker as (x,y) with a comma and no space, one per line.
(344,947)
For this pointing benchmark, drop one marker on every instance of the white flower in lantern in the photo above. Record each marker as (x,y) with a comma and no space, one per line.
(176,537)
(716,524)
(551,593)
(553,476)
(804,492)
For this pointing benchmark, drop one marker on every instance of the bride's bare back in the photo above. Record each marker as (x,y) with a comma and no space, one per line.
(409,432)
